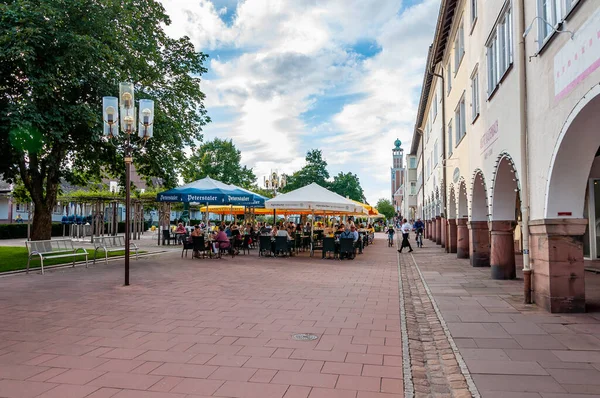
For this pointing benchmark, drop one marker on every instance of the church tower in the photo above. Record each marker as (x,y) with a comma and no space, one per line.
(397,175)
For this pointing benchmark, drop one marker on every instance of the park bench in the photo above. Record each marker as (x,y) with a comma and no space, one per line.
(112,244)
(56,248)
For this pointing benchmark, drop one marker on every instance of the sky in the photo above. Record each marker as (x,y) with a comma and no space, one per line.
(287,76)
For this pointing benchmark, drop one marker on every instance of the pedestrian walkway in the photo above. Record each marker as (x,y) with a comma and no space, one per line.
(512,349)
(385,325)
(205,328)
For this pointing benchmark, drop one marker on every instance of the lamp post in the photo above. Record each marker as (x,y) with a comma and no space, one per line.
(111,106)
(274,182)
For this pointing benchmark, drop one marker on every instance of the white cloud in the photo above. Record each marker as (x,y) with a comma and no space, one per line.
(286,56)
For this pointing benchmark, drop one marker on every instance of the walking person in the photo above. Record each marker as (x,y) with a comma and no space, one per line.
(405,229)
(419,227)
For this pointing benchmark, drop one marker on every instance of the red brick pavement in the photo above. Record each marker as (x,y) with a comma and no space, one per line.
(512,349)
(205,328)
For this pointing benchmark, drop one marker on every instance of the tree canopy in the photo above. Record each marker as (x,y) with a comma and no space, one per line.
(385,207)
(315,170)
(59,58)
(218,159)
(347,185)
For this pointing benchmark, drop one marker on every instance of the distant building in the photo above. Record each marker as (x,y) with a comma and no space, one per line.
(397,176)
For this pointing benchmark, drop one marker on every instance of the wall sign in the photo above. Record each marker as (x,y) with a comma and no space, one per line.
(456,174)
(578,58)
(488,139)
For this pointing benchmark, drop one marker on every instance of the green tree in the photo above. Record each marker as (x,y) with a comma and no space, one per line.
(315,170)
(267,193)
(59,58)
(220,160)
(348,185)
(385,207)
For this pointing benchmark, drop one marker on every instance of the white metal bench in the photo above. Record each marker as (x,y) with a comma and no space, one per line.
(112,244)
(56,248)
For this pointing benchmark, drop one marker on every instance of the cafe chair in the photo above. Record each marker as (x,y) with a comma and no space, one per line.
(281,245)
(347,248)
(329,247)
(264,245)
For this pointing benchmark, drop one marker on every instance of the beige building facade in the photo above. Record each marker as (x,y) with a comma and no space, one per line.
(511,95)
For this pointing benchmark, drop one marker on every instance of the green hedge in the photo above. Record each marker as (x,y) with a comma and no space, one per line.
(19,231)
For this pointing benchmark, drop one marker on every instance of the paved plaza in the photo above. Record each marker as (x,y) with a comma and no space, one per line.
(224,328)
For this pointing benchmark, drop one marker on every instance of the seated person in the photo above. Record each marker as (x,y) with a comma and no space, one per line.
(221,240)
(180,229)
(283,232)
(181,232)
(307,229)
(350,233)
(197,231)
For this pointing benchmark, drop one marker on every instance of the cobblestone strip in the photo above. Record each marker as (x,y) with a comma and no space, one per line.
(463,366)
(409,389)
(435,369)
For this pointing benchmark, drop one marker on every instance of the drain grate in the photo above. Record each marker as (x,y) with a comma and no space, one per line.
(305,337)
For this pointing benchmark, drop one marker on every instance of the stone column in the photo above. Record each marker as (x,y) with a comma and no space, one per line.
(556,250)
(479,243)
(462,238)
(444,224)
(451,236)
(433,229)
(502,253)
(438,230)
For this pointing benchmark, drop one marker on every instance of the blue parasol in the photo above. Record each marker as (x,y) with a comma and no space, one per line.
(211,192)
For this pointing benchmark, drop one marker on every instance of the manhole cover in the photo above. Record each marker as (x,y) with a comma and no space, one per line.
(304,337)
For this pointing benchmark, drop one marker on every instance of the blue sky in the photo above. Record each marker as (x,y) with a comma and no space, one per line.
(286,76)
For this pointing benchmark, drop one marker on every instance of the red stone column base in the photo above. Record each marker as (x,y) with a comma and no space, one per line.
(438,230)
(443,232)
(557,262)
(427,229)
(452,237)
(433,229)
(502,254)
(462,238)
(479,243)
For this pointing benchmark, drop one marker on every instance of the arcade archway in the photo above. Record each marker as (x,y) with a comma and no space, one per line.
(479,236)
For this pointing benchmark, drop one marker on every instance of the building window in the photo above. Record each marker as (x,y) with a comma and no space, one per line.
(473,11)
(459,48)
(553,12)
(413,188)
(499,50)
(435,153)
(459,120)
(450,138)
(475,95)
(412,163)
(22,207)
(449,76)
(435,102)
(57,209)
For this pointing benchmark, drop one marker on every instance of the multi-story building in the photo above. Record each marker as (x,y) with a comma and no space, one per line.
(397,191)
(409,201)
(513,162)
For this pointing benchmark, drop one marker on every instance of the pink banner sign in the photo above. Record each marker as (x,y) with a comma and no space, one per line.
(578,58)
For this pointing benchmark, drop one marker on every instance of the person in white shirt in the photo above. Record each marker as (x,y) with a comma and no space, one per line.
(405,229)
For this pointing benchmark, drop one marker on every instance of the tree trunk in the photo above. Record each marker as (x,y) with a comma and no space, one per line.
(41,228)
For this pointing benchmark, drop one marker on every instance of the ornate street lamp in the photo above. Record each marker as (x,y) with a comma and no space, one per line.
(275,182)
(111,107)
